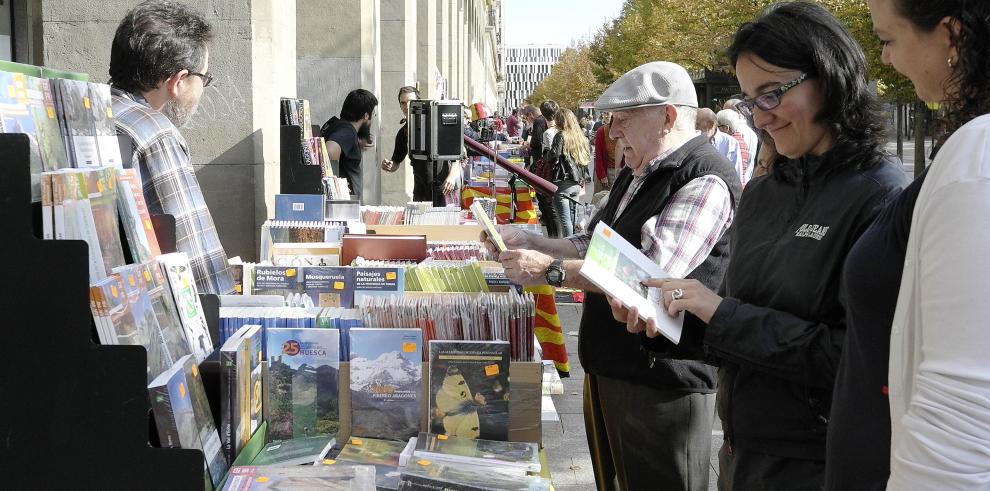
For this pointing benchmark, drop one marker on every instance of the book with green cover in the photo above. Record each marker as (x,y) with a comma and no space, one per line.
(303,382)
(297,451)
(383,454)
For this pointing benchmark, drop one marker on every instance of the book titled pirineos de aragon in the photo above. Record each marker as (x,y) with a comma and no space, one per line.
(386,377)
(469,389)
(303,380)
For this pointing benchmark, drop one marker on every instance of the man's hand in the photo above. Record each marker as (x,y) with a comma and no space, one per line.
(511,236)
(525,267)
(449,184)
(388,165)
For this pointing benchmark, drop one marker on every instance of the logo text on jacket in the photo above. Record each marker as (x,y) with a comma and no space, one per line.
(816,232)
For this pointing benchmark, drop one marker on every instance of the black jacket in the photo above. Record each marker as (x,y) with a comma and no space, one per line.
(778,334)
(604,346)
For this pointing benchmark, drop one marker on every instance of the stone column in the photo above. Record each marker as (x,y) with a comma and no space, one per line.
(426,51)
(444,42)
(338,50)
(399,42)
(234,138)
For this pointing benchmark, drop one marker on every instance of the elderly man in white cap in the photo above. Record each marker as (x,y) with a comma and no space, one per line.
(648,419)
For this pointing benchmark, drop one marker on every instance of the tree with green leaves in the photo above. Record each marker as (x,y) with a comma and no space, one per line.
(570,82)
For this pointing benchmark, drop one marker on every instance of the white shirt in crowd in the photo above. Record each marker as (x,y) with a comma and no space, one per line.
(939,373)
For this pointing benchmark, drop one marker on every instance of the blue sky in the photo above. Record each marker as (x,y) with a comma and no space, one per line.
(555,21)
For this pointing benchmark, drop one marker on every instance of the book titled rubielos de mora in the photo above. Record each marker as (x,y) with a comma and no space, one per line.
(469,389)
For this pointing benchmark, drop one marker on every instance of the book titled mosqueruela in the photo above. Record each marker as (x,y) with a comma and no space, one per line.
(618,268)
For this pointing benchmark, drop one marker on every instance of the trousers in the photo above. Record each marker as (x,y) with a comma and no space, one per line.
(642,438)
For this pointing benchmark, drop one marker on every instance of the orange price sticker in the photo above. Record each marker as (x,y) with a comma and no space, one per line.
(290,273)
(423,462)
(148,225)
(109,112)
(182,390)
(262,479)
(329,462)
(195,370)
(147,276)
(51,113)
(390,275)
(607,232)
(356,441)
(130,279)
(442,437)
(86,102)
(491,370)
(338,285)
(408,347)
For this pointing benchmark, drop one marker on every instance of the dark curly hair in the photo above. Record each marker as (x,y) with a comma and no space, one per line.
(968,88)
(804,36)
(154,41)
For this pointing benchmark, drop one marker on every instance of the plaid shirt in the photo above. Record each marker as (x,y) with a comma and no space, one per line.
(684,233)
(170,187)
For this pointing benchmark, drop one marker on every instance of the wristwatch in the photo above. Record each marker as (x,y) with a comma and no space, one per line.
(555,273)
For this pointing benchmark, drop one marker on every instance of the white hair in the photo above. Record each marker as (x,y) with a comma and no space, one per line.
(687,116)
(730,118)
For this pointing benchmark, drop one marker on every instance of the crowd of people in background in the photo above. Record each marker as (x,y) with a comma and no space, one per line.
(848,344)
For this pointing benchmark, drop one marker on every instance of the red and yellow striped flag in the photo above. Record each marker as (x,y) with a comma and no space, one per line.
(548,331)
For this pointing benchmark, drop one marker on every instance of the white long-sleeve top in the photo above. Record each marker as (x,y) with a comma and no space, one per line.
(939,378)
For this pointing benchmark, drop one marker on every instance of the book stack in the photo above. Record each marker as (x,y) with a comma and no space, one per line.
(516,458)
(240,389)
(423,474)
(507,317)
(446,276)
(423,213)
(382,454)
(382,215)
(458,250)
(252,478)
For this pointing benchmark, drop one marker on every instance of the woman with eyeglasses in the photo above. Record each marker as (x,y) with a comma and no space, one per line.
(776,328)
(912,398)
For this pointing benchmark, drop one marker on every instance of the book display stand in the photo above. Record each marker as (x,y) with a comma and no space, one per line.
(297,178)
(73,413)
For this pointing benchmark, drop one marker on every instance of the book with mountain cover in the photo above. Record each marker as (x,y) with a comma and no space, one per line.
(386,382)
(518,456)
(171,397)
(383,454)
(212,448)
(469,389)
(303,380)
(324,478)
(78,123)
(297,451)
(149,333)
(133,210)
(101,186)
(424,474)
(100,107)
(15,117)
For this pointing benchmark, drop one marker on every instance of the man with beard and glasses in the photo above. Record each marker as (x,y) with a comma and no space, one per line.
(344,135)
(159,67)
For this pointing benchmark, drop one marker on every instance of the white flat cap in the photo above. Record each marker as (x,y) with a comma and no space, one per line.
(653,84)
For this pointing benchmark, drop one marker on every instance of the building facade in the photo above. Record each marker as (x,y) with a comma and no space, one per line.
(525,67)
(265,49)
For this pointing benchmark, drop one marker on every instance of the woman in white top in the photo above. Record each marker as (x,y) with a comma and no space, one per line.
(939,369)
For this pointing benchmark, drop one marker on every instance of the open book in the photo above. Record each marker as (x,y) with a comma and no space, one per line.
(619,268)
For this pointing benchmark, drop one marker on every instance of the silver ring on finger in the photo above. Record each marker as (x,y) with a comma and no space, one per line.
(677,294)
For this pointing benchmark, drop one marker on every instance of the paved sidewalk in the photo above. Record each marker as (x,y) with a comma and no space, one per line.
(565,443)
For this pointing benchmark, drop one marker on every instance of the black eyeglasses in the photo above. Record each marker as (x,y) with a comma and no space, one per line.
(768,100)
(207,78)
